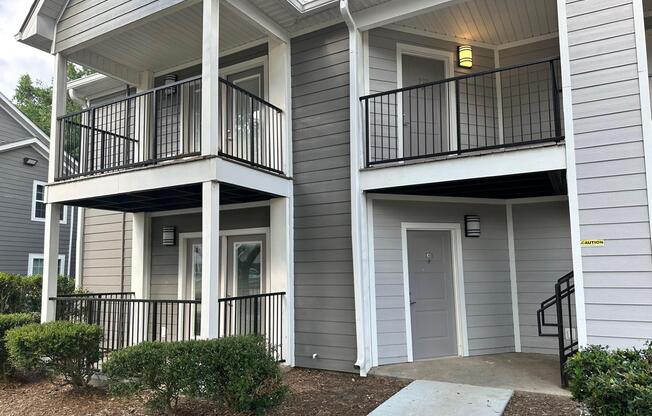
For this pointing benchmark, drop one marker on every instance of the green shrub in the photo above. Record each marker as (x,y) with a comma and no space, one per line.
(67,349)
(23,293)
(7,322)
(235,371)
(612,382)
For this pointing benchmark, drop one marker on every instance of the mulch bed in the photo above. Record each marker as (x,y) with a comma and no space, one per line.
(535,404)
(314,393)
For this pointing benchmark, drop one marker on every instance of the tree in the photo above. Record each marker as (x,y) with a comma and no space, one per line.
(34,98)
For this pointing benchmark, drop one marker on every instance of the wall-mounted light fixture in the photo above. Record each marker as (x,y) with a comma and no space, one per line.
(465,56)
(29,161)
(472,225)
(169,80)
(169,235)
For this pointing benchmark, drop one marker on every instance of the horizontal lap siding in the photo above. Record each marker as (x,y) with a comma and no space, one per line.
(10,130)
(486,275)
(543,255)
(19,235)
(610,171)
(323,270)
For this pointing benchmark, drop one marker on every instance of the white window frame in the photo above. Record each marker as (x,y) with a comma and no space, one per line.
(36,256)
(35,184)
(263,265)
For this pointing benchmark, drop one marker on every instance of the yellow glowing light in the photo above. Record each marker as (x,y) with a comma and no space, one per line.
(465,56)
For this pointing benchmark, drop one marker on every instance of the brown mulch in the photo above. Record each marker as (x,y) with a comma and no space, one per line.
(313,392)
(535,404)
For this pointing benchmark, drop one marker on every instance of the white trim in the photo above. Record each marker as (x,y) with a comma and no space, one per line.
(393,11)
(249,65)
(304,6)
(447,38)
(455,230)
(183,260)
(35,184)
(229,207)
(79,248)
(528,41)
(35,256)
(70,233)
(372,281)
(646,110)
(263,282)
(571,174)
(264,22)
(34,142)
(449,72)
(511,247)
(24,121)
(467,200)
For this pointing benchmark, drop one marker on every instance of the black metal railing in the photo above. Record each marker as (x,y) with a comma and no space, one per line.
(464,114)
(127,321)
(565,328)
(165,124)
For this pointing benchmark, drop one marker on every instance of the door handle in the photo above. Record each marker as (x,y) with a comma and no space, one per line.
(412,302)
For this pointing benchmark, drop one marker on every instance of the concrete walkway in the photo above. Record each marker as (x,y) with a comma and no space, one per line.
(536,373)
(427,398)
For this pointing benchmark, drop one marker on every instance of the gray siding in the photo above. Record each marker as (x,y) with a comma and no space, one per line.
(486,275)
(543,255)
(165,259)
(610,171)
(11,130)
(323,269)
(19,235)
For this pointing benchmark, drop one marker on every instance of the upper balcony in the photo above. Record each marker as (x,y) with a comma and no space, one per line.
(164,124)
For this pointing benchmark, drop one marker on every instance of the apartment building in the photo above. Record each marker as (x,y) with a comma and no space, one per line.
(364,182)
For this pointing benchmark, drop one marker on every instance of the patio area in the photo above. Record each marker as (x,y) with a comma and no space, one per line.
(537,373)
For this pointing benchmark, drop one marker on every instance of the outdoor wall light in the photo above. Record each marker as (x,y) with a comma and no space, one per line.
(472,225)
(465,56)
(169,235)
(30,161)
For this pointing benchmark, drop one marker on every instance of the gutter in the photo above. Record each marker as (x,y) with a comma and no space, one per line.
(358,204)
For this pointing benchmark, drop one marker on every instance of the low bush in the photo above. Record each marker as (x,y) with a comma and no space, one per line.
(236,371)
(20,293)
(67,349)
(7,322)
(612,382)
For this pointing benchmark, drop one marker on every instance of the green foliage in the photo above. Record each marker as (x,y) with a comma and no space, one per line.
(34,98)
(67,349)
(235,371)
(612,382)
(7,322)
(20,293)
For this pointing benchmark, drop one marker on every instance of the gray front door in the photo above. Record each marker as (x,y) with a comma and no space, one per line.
(425,110)
(432,303)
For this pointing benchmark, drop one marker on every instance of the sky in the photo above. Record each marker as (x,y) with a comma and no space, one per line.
(16,58)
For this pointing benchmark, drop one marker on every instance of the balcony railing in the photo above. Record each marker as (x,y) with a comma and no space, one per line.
(127,321)
(165,124)
(510,106)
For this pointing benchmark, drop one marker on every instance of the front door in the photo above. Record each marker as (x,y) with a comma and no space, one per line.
(425,110)
(432,297)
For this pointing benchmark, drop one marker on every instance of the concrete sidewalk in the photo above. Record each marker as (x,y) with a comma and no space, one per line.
(427,398)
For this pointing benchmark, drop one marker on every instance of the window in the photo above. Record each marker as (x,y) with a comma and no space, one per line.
(36,264)
(38,204)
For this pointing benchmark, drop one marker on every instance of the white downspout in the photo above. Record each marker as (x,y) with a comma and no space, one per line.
(358,205)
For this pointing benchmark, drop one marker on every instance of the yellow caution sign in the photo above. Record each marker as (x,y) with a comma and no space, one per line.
(592,243)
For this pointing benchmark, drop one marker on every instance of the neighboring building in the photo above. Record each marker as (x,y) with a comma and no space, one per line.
(23,177)
(406,200)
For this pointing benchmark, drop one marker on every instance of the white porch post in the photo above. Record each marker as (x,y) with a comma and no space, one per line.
(281,267)
(210,277)
(279,93)
(140,255)
(52,211)
(210,98)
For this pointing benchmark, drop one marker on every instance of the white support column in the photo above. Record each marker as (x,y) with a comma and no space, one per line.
(210,98)
(140,255)
(279,93)
(52,211)
(281,266)
(210,274)
(79,248)
(50,261)
(511,246)
(499,98)
(142,118)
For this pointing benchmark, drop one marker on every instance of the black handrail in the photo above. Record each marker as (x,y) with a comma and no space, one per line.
(461,114)
(562,301)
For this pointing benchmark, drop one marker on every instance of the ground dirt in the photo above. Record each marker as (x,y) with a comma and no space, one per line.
(313,393)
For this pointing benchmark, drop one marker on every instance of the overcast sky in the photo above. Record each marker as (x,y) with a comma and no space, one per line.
(15,58)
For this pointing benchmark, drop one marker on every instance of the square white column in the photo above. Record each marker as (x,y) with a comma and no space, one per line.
(140,254)
(210,98)
(50,262)
(210,273)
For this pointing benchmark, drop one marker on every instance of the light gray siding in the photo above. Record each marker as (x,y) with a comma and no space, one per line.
(11,130)
(19,235)
(610,167)
(323,269)
(486,275)
(543,255)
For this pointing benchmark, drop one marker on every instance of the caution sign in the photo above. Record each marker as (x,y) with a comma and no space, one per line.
(592,243)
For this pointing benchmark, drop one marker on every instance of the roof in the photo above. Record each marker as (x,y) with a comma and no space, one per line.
(25,122)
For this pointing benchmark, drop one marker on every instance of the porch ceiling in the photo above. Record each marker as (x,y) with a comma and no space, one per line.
(527,185)
(494,22)
(163,199)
